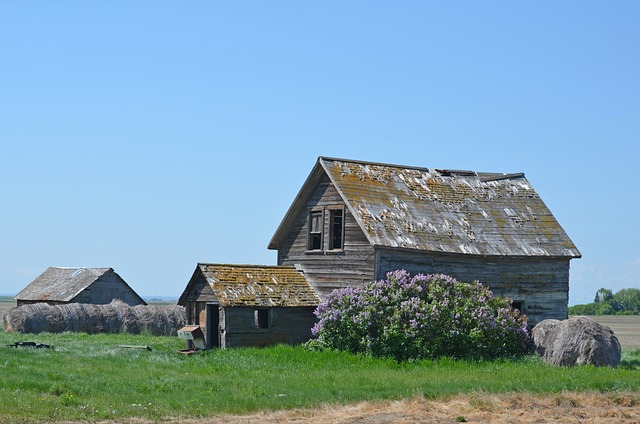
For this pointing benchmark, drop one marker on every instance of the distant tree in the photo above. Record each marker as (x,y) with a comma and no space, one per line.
(623,302)
(627,301)
(603,295)
(583,309)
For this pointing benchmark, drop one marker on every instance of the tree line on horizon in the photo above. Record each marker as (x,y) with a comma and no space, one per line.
(623,302)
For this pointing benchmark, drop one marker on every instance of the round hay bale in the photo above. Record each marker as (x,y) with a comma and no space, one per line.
(576,341)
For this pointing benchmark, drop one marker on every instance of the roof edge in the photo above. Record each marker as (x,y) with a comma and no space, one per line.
(364,162)
(245,265)
(298,203)
(578,255)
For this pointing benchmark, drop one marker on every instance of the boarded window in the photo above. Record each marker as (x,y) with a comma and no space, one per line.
(337,229)
(262,318)
(315,230)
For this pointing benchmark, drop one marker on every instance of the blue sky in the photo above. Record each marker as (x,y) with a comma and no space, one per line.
(149,136)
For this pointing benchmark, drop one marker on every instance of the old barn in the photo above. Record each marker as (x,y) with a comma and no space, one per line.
(249,305)
(78,285)
(354,221)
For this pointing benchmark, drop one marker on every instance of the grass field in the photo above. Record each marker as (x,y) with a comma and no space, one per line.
(89,378)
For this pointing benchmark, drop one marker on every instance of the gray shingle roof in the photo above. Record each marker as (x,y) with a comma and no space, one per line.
(443,211)
(60,284)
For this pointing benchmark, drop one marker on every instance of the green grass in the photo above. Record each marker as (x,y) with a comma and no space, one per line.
(86,377)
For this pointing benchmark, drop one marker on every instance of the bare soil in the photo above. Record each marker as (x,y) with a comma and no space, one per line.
(589,408)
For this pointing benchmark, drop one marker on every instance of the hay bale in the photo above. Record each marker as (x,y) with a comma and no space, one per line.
(576,341)
(116,317)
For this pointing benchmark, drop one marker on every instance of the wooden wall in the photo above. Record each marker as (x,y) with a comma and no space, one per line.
(199,294)
(286,326)
(108,287)
(326,270)
(541,283)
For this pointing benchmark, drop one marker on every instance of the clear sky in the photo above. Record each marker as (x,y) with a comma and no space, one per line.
(149,136)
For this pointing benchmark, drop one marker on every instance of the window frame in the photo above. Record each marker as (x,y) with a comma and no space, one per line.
(262,318)
(332,228)
(311,234)
(518,305)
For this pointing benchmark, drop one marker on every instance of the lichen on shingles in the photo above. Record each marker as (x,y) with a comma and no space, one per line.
(450,211)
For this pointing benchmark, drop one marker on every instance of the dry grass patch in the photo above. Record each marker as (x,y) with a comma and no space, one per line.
(473,408)
(584,408)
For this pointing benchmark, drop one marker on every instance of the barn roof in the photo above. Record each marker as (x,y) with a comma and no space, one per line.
(256,285)
(437,210)
(60,284)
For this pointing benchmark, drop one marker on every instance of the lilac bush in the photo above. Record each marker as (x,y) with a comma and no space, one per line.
(424,316)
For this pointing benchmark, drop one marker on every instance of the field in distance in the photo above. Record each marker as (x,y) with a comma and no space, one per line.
(625,327)
(6,303)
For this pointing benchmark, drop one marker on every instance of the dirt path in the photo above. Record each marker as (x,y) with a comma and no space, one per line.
(510,408)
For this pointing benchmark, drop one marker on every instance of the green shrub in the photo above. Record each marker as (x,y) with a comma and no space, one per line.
(419,317)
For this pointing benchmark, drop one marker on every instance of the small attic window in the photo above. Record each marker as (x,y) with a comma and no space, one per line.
(315,230)
(262,318)
(337,229)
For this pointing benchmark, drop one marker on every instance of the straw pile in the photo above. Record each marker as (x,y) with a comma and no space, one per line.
(116,317)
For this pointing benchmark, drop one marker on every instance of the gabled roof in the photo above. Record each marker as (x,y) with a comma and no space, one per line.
(60,284)
(255,285)
(436,210)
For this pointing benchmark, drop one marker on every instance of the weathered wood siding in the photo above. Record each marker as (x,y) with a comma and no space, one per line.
(200,293)
(542,284)
(107,288)
(326,270)
(286,326)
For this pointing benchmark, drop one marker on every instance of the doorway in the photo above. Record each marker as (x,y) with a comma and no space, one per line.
(212,331)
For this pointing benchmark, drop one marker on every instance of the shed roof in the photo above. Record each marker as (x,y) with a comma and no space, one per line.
(60,284)
(256,285)
(437,210)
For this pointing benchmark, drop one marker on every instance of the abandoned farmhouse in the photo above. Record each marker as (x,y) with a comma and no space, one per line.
(354,221)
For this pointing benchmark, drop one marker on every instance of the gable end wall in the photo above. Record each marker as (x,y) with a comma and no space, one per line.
(107,288)
(325,270)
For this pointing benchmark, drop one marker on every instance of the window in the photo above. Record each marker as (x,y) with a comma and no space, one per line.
(262,318)
(519,305)
(336,220)
(315,230)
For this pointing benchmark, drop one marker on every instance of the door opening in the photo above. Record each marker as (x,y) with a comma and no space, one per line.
(212,336)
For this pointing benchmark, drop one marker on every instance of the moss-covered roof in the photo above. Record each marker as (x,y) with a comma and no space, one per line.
(258,285)
(435,210)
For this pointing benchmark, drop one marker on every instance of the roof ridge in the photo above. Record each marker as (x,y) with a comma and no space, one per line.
(442,171)
(246,265)
(364,162)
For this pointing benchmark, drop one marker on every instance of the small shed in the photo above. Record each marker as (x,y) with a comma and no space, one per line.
(59,285)
(249,305)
